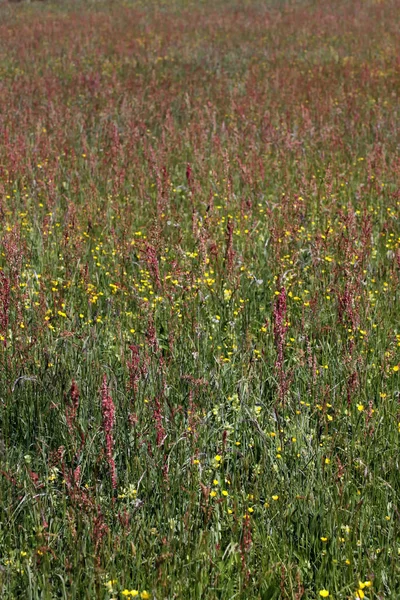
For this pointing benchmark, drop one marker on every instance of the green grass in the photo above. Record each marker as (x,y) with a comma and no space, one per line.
(199,206)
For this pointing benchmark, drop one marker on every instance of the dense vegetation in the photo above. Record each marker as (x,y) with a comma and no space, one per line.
(199,300)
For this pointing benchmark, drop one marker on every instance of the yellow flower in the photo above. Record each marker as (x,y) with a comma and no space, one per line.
(324,593)
(367,583)
(360,594)
(275,497)
(361,585)
(360,407)
(396,368)
(134,593)
(145,595)
(213,494)
(225,493)
(218,458)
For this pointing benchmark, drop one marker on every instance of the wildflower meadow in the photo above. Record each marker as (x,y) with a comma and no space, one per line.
(199,300)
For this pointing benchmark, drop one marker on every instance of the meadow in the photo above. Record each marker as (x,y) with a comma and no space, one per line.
(199,300)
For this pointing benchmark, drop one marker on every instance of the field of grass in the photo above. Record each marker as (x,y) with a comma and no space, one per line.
(199,300)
